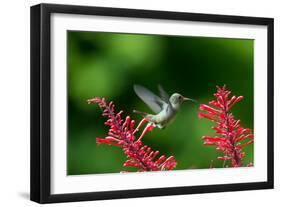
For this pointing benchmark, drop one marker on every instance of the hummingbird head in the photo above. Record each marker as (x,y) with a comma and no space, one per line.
(177,99)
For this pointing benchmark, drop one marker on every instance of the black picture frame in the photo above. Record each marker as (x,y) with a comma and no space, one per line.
(41,98)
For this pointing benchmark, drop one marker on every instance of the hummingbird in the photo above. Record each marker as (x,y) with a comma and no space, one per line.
(165,107)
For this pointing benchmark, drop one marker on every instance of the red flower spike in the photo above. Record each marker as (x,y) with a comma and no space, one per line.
(123,134)
(229,132)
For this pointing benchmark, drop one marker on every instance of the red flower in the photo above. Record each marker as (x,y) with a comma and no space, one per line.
(123,134)
(232,137)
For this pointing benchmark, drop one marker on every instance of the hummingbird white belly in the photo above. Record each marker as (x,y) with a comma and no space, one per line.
(163,118)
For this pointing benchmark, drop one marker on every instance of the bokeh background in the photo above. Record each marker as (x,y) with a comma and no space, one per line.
(107,65)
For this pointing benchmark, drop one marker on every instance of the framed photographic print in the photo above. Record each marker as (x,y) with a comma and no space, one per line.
(132,103)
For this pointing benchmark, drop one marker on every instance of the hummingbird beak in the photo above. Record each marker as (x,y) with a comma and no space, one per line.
(189,99)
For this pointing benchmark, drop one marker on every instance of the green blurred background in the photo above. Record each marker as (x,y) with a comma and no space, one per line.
(107,65)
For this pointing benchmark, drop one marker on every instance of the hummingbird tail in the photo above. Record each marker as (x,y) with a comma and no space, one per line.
(140,113)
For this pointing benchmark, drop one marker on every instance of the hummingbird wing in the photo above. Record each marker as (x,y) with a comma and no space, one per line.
(164,95)
(154,102)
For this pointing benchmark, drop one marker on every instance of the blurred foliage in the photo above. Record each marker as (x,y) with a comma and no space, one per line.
(107,65)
